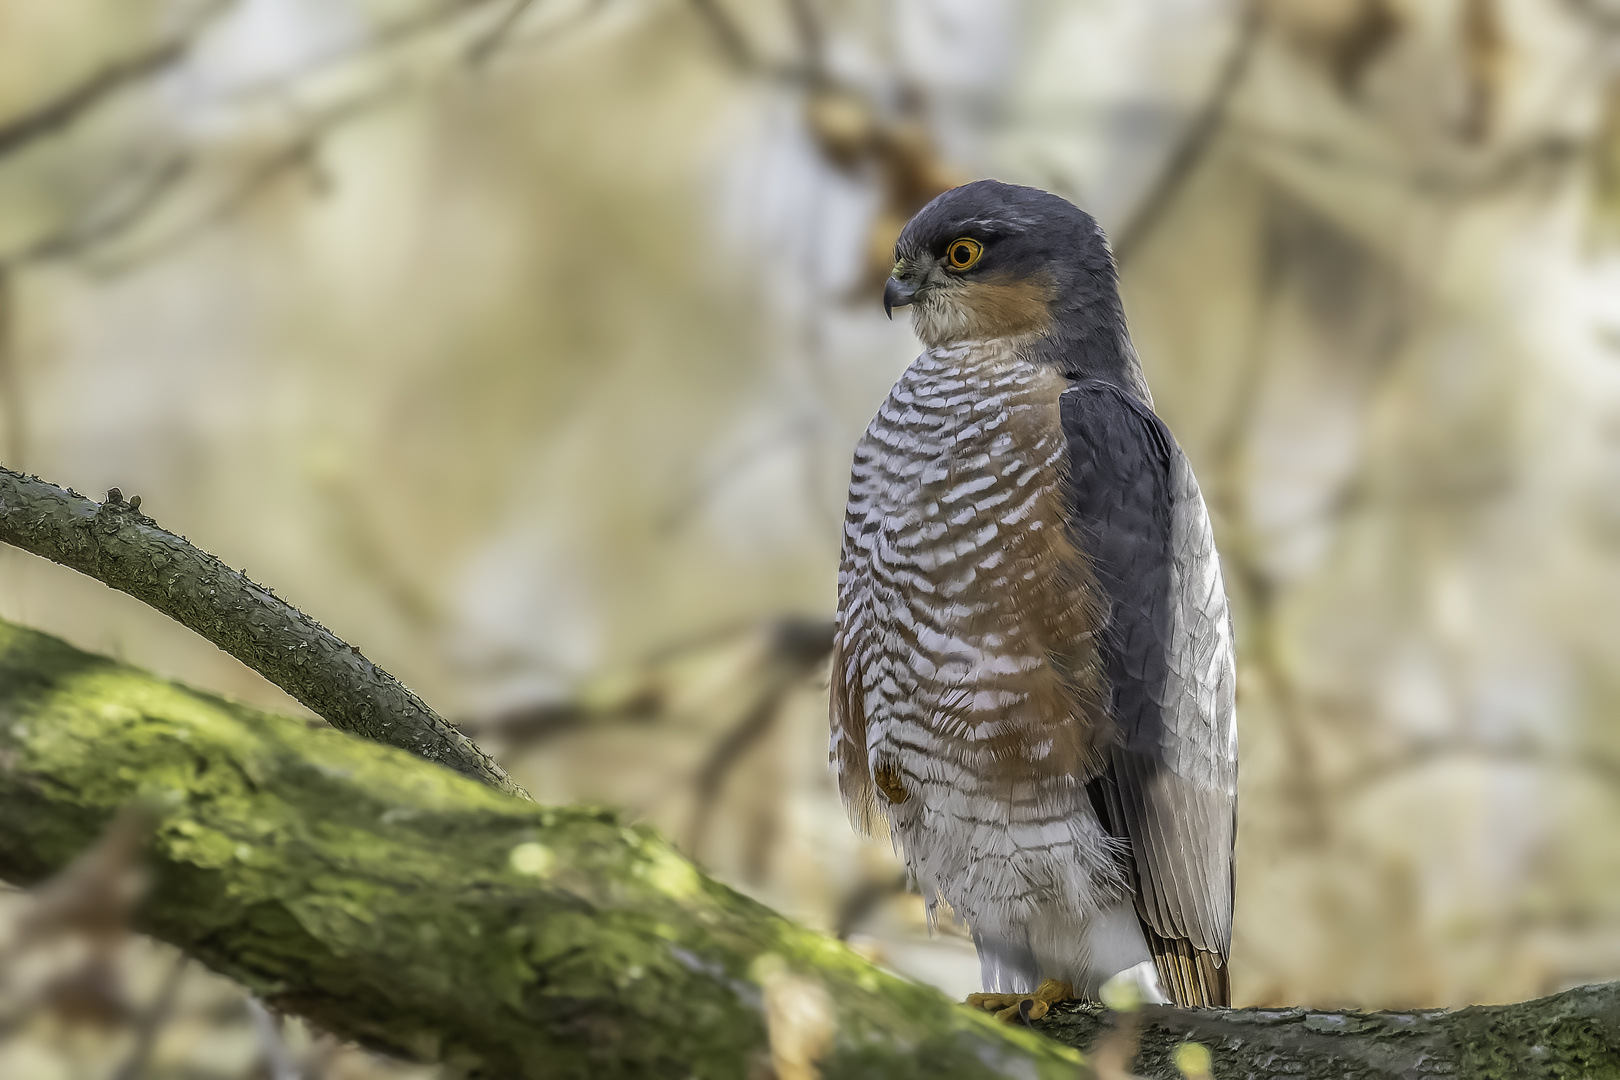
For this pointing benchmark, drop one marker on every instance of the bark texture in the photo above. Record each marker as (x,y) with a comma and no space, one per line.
(1573,1035)
(119,546)
(428,916)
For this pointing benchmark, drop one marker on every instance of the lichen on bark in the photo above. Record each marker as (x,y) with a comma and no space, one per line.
(1575,1034)
(426,915)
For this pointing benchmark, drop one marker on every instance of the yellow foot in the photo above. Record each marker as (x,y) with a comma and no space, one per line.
(1011,1008)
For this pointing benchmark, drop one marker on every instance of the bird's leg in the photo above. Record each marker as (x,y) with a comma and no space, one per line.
(1011,1008)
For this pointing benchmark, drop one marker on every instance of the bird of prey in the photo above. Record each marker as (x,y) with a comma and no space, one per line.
(1033,678)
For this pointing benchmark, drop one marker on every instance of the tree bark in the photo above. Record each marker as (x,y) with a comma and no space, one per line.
(119,546)
(1575,1034)
(432,918)
(427,916)
(435,919)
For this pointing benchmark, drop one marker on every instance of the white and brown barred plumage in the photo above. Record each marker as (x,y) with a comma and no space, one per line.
(1033,674)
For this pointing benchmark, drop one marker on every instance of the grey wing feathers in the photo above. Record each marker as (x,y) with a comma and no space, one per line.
(1170,788)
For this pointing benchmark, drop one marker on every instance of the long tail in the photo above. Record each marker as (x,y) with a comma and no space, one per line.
(1191,976)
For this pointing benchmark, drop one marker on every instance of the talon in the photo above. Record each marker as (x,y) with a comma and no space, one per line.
(1052,991)
(1013,1008)
(994,1002)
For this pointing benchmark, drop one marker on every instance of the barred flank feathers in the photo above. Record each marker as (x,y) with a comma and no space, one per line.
(968,702)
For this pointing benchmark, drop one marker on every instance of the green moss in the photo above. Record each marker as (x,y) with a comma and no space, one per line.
(419,912)
(402,905)
(1575,1034)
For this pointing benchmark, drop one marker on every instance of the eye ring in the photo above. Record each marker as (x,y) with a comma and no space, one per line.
(963,253)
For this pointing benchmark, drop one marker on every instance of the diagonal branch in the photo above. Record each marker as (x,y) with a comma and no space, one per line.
(1195,140)
(727,34)
(119,546)
(116,216)
(397,905)
(487,46)
(57,113)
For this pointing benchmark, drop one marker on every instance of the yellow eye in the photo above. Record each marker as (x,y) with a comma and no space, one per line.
(963,253)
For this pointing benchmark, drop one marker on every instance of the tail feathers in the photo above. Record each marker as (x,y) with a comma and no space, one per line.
(1191,976)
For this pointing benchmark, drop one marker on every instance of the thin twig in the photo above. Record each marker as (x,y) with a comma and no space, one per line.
(94,230)
(641,697)
(797,648)
(119,546)
(710,779)
(805,635)
(267,1026)
(1423,754)
(864,899)
(12,413)
(812,38)
(298,155)
(487,46)
(50,117)
(390,36)
(1484,178)
(1600,16)
(727,34)
(1195,141)
(151,1022)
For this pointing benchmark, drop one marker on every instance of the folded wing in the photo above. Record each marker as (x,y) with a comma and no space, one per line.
(1170,786)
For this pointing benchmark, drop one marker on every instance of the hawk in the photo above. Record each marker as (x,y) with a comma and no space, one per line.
(1033,677)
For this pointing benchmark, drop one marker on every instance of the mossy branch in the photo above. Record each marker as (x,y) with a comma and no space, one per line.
(427,916)
(1573,1034)
(432,918)
(119,546)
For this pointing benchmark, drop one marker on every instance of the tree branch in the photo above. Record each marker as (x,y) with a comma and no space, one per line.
(1195,141)
(434,919)
(431,918)
(121,210)
(1575,1033)
(727,34)
(486,47)
(13,417)
(61,111)
(119,546)
(122,206)
(51,116)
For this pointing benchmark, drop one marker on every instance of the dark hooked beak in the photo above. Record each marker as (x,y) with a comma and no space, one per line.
(897,293)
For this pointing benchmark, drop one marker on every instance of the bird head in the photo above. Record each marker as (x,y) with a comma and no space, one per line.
(989,260)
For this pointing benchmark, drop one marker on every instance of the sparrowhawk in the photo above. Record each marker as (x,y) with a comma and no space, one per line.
(1033,676)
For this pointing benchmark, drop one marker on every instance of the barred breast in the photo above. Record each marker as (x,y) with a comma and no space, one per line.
(968,703)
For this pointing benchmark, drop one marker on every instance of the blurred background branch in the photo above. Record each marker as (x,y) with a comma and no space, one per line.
(52,116)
